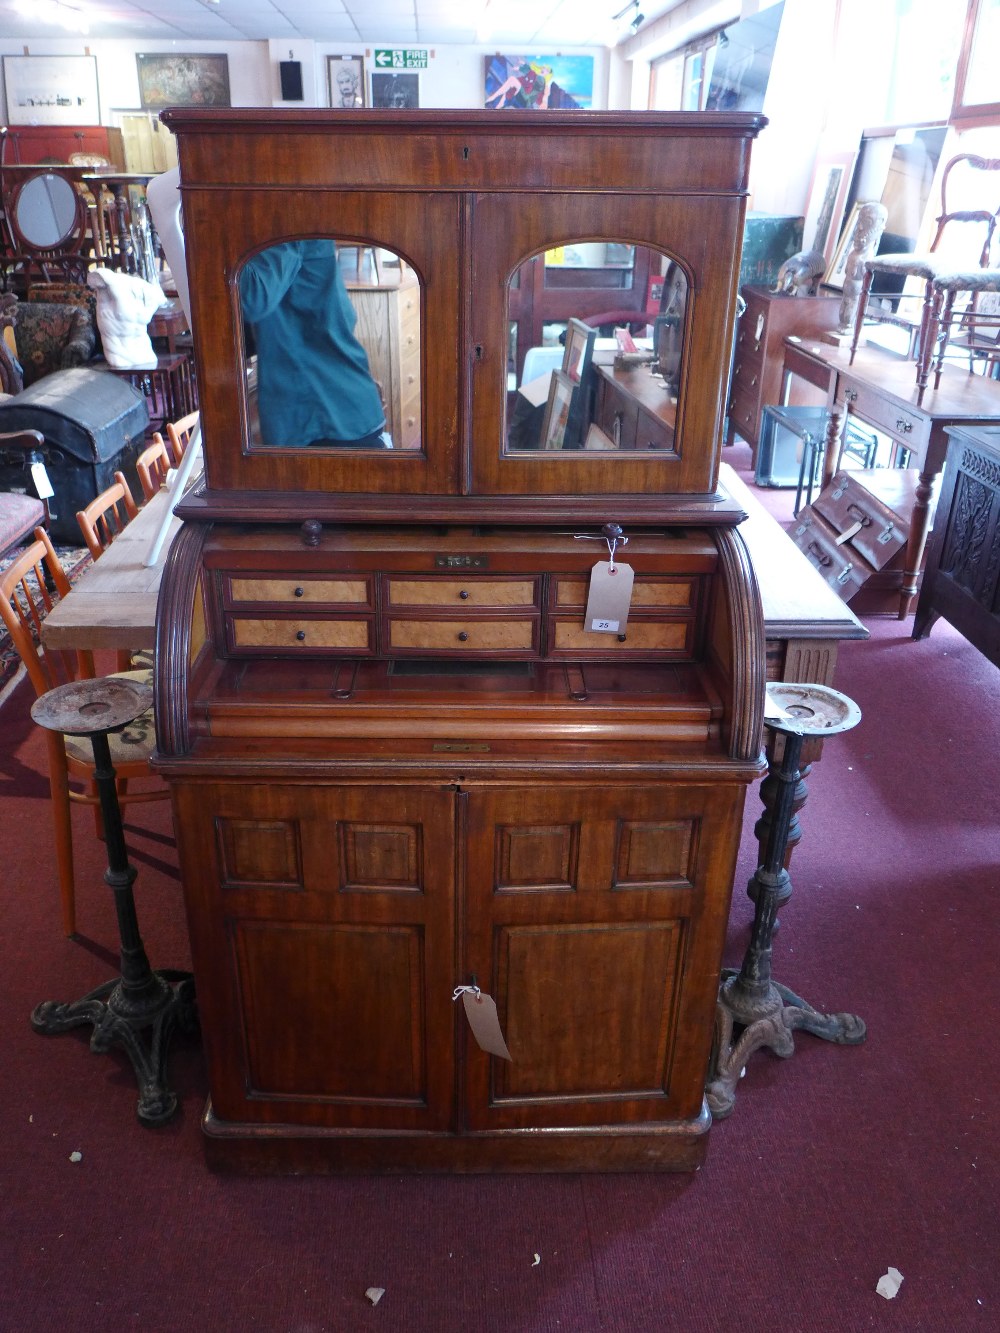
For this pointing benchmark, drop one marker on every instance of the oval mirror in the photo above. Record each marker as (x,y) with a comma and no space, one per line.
(331,333)
(595,348)
(45,211)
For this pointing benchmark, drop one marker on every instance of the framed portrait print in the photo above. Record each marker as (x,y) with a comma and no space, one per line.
(51,90)
(580,339)
(396,92)
(345,76)
(827,202)
(182,80)
(557,410)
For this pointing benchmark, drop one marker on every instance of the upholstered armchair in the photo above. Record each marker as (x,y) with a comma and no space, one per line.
(50,337)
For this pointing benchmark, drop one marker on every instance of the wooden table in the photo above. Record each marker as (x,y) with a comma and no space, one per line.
(113,604)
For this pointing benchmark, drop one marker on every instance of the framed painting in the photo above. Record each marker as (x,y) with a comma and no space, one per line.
(345,76)
(827,202)
(396,92)
(580,339)
(538,82)
(557,410)
(182,80)
(51,90)
(977,93)
(834,275)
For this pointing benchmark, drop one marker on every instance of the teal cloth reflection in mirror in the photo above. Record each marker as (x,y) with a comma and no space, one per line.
(314,382)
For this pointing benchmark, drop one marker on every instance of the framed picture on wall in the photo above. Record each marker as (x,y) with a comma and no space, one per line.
(51,90)
(827,202)
(182,80)
(396,92)
(345,77)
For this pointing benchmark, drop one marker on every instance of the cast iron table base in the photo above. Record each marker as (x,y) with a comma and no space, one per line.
(765,1012)
(141,1009)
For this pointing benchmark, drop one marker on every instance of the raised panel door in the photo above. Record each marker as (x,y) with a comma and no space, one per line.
(594,916)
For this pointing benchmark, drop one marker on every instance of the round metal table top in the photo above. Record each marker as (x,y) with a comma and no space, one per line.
(808,710)
(84,707)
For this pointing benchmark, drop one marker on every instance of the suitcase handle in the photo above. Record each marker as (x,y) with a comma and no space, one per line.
(858,513)
(821,557)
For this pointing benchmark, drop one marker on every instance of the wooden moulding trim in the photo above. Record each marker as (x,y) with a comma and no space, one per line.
(174,616)
(511,511)
(746,631)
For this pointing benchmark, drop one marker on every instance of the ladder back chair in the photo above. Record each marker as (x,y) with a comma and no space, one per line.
(28,591)
(152,466)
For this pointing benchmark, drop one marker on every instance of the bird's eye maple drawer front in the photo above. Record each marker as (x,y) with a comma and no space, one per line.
(462,615)
(661,619)
(298,614)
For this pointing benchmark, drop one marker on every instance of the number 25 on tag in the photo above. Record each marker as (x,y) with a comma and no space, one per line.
(609,598)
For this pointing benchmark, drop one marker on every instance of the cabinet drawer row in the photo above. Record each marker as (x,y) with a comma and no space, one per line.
(676,594)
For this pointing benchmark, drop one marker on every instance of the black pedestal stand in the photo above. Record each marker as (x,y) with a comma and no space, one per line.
(141,1008)
(766,1013)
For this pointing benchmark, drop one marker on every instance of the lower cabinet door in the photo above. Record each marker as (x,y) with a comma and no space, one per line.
(324,916)
(595,917)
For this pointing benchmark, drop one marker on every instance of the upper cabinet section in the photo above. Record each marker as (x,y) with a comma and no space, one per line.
(511,316)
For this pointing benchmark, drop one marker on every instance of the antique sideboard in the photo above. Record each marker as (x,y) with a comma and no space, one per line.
(426,756)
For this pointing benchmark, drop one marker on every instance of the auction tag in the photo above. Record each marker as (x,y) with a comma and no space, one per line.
(848,533)
(43,487)
(609,598)
(481,1011)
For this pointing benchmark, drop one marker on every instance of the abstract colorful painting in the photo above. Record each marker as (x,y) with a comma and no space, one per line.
(535,83)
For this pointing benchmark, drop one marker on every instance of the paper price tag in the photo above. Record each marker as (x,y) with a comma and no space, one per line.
(609,598)
(850,532)
(481,1011)
(43,487)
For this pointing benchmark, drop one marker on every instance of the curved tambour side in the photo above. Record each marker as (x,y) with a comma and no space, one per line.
(739,644)
(176,639)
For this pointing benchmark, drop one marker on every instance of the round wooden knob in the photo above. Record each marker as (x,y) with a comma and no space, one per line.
(300,592)
(301,635)
(464,595)
(463,636)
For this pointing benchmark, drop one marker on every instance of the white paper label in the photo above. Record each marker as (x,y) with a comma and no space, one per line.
(481,1011)
(40,477)
(609,598)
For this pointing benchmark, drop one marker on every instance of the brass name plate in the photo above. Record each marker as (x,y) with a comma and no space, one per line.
(461,562)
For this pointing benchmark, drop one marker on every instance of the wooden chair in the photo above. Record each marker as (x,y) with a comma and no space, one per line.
(152,465)
(179,434)
(107,515)
(28,591)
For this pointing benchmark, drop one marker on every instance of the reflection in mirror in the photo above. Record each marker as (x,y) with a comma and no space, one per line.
(46,210)
(331,332)
(596,349)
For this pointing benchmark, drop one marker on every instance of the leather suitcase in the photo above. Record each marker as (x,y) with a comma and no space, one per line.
(94,425)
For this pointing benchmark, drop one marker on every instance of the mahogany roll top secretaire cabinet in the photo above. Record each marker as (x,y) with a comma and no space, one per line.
(429,720)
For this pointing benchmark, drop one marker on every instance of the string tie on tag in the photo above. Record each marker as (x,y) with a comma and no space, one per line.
(466,990)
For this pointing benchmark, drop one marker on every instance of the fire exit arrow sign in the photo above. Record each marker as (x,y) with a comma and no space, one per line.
(400,58)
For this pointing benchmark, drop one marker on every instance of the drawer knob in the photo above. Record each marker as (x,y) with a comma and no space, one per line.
(464,595)
(300,635)
(621,638)
(462,636)
(300,592)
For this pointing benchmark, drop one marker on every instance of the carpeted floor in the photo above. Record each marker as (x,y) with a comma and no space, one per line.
(835,1164)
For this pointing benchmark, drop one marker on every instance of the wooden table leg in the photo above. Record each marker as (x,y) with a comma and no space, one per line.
(920,526)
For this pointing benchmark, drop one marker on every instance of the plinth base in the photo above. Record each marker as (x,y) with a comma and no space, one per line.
(284,1149)
(770,1022)
(143,1024)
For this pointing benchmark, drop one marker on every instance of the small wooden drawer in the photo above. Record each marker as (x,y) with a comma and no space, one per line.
(297,591)
(463,636)
(647,593)
(300,635)
(743,412)
(467,592)
(671,637)
(910,428)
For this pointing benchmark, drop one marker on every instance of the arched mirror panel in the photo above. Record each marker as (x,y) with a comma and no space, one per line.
(330,333)
(595,347)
